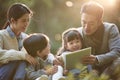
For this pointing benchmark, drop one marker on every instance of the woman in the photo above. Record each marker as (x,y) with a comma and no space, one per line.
(12,57)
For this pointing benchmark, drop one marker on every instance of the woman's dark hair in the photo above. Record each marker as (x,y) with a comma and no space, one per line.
(68,36)
(16,11)
(35,42)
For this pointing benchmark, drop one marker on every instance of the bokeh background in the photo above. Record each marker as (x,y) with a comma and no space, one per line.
(52,17)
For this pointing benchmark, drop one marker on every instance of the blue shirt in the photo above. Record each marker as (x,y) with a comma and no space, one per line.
(19,38)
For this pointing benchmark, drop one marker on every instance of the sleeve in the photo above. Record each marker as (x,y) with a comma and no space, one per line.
(9,55)
(114,47)
(63,56)
(51,58)
(32,74)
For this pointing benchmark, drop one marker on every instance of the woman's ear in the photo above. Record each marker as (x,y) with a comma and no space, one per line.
(12,20)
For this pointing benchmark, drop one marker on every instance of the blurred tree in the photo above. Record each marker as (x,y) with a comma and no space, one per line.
(3,9)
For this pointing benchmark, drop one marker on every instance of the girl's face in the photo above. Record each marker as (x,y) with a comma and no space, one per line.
(74,45)
(44,53)
(21,24)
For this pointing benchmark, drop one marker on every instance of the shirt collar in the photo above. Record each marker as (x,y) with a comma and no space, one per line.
(11,33)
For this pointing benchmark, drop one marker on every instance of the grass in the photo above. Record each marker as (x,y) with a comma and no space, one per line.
(84,75)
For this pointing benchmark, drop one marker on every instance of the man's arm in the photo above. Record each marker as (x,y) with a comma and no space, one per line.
(114,46)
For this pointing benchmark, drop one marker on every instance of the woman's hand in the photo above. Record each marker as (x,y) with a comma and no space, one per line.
(31,59)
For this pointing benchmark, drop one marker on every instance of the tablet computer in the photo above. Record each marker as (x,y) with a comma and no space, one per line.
(73,58)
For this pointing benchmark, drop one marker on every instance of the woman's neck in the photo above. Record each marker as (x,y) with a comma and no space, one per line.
(16,32)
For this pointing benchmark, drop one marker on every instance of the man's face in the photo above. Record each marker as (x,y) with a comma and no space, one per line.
(89,23)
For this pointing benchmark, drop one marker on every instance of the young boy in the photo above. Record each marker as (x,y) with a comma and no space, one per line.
(37,45)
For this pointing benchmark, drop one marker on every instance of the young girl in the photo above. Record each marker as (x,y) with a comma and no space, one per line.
(37,45)
(71,41)
(12,64)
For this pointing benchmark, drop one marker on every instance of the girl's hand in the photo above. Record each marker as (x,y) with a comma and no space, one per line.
(65,72)
(57,62)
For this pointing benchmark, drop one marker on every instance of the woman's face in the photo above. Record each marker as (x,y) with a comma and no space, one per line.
(21,24)
(74,45)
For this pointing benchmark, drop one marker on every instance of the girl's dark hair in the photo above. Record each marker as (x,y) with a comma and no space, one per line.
(35,42)
(16,11)
(68,36)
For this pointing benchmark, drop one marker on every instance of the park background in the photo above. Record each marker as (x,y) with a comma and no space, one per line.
(52,17)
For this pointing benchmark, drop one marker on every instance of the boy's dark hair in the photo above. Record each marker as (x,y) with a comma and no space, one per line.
(35,42)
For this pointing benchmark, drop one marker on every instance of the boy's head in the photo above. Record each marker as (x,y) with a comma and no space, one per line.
(35,42)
